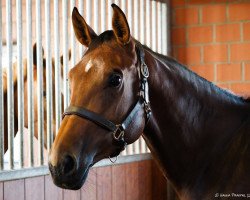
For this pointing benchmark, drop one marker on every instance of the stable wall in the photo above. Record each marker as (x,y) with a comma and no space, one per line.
(132,181)
(212,37)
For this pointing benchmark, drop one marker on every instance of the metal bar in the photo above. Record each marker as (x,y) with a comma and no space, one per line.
(81,47)
(57,67)
(88,13)
(159,27)
(10,83)
(1,99)
(95,14)
(49,84)
(123,6)
(103,15)
(30,81)
(165,29)
(153,29)
(148,27)
(39,82)
(142,21)
(20,79)
(135,20)
(65,52)
(130,15)
(73,41)
(110,12)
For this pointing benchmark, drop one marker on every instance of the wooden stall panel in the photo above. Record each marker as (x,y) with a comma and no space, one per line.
(118,182)
(52,192)
(159,183)
(71,195)
(1,191)
(104,183)
(132,181)
(34,188)
(13,190)
(145,180)
(88,191)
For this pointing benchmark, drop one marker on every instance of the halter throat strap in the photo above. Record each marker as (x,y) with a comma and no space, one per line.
(118,130)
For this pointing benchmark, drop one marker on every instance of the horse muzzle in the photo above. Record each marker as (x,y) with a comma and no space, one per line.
(68,174)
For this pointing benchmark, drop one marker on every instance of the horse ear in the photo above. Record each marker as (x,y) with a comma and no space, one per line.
(120,25)
(84,33)
(35,53)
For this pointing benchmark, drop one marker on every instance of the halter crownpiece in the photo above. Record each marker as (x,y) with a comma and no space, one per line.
(118,130)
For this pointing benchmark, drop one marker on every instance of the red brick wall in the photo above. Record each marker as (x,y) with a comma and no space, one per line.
(212,37)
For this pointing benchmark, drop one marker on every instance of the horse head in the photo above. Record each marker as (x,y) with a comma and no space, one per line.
(104,88)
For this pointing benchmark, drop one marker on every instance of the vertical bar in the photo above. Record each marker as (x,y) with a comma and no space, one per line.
(1,99)
(148,27)
(153,29)
(129,17)
(57,67)
(39,81)
(123,6)
(95,14)
(88,11)
(165,24)
(159,27)
(80,45)
(103,15)
(73,41)
(20,79)
(142,22)
(30,80)
(48,76)
(135,20)
(65,52)
(10,83)
(109,18)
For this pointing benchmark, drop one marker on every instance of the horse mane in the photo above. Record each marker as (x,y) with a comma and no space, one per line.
(169,61)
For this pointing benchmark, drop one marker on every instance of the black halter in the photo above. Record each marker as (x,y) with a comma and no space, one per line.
(118,130)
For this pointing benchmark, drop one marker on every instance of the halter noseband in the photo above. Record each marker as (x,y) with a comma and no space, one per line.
(118,130)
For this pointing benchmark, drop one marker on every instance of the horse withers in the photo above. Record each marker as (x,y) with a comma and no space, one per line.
(198,133)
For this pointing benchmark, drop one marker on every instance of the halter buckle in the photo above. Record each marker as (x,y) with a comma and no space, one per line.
(119,133)
(144,70)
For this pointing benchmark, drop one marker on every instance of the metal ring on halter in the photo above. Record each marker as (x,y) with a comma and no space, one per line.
(113,161)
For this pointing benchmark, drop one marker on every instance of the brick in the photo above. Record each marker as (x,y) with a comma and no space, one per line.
(178,36)
(247,71)
(228,32)
(199,1)
(229,72)
(246,31)
(177,3)
(241,88)
(186,16)
(213,13)
(202,34)
(239,11)
(206,71)
(240,52)
(224,86)
(215,52)
(189,55)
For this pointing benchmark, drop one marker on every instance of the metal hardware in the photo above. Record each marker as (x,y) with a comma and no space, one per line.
(119,133)
(113,161)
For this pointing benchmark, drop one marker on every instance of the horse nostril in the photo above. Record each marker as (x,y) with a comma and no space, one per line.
(69,164)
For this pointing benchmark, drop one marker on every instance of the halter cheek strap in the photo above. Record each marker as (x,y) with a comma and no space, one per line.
(118,130)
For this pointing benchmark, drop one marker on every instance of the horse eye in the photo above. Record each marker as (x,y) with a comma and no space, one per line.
(115,80)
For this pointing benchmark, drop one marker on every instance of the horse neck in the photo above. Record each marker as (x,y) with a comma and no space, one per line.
(192,120)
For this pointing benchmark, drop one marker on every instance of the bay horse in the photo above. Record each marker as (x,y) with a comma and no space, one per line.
(25,86)
(198,133)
